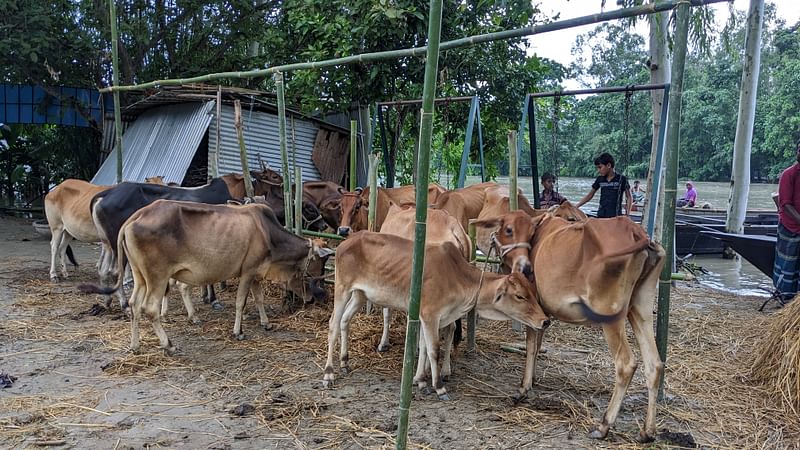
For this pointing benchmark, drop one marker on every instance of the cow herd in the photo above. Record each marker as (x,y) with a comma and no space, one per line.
(557,264)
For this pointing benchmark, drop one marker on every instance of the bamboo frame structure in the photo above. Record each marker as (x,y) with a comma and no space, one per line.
(115,79)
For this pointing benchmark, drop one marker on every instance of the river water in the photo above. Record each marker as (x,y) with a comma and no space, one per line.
(737,276)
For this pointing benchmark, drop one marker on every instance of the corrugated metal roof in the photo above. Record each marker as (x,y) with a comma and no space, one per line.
(162,141)
(261,138)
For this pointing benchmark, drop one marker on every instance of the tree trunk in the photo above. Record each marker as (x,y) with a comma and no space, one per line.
(740,174)
(659,73)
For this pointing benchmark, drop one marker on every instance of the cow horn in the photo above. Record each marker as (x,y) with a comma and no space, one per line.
(359,189)
(261,163)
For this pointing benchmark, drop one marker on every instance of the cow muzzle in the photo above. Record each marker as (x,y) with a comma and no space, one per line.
(343,231)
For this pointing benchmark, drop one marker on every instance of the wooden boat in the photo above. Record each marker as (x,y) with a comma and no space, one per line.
(758,250)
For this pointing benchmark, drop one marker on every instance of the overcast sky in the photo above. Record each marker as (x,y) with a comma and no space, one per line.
(556,45)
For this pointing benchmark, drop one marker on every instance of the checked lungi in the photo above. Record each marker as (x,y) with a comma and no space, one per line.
(787,256)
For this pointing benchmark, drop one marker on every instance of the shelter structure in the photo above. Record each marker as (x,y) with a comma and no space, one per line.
(175,132)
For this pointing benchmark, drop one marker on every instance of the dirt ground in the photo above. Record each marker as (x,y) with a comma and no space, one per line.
(78,386)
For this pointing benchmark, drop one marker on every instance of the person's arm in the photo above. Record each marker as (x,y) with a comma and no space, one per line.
(628,202)
(586,198)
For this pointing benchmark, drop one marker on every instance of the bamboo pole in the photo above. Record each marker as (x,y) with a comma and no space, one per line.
(115,80)
(513,200)
(373,190)
(472,317)
(417,263)
(287,177)
(671,180)
(237,122)
(298,201)
(213,161)
(353,153)
(649,8)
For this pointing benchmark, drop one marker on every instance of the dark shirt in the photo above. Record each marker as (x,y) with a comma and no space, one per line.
(611,193)
(550,198)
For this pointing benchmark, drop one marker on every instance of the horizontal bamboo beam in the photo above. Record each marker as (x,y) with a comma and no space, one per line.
(649,8)
(602,90)
(417,102)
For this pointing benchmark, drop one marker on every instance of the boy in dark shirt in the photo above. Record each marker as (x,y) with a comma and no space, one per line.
(611,185)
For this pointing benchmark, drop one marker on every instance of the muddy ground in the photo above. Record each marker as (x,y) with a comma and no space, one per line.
(78,386)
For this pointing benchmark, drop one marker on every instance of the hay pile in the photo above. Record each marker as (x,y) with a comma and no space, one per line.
(777,362)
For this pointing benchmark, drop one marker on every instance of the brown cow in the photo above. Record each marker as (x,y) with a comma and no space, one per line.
(441,227)
(468,202)
(355,205)
(376,267)
(69,217)
(327,197)
(596,272)
(199,244)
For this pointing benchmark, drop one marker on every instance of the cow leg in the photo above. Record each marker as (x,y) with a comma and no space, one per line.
(105,271)
(420,377)
(357,301)
(136,312)
(241,300)
(642,325)
(152,307)
(341,299)
(533,342)
(216,305)
(387,319)
(624,365)
(165,301)
(257,289)
(449,332)
(58,250)
(186,296)
(431,336)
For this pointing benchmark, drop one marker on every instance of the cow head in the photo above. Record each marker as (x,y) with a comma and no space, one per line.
(511,236)
(158,179)
(312,218)
(568,212)
(354,212)
(516,299)
(309,282)
(331,210)
(268,176)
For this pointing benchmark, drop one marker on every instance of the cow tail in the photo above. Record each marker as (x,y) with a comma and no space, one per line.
(71,256)
(122,261)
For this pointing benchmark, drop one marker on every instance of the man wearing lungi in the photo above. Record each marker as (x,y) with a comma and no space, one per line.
(787,248)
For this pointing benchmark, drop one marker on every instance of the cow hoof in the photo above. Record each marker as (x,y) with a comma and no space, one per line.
(427,390)
(344,370)
(327,384)
(519,397)
(217,306)
(171,351)
(268,327)
(239,337)
(384,347)
(644,438)
(444,397)
(197,321)
(597,434)
(55,278)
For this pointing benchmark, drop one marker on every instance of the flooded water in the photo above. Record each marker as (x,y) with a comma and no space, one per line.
(738,276)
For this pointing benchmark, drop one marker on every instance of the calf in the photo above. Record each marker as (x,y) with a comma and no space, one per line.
(377,267)
(441,227)
(198,244)
(327,197)
(596,272)
(69,217)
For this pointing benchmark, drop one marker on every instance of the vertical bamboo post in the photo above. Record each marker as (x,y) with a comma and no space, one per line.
(115,80)
(298,201)
(213,160)
(287,177)
(472,317)
(373,190)
(237,121)
(671,180)
(513,201)
(417,264)
(353,153)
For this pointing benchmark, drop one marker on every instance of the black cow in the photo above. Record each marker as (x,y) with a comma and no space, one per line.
(111,208)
